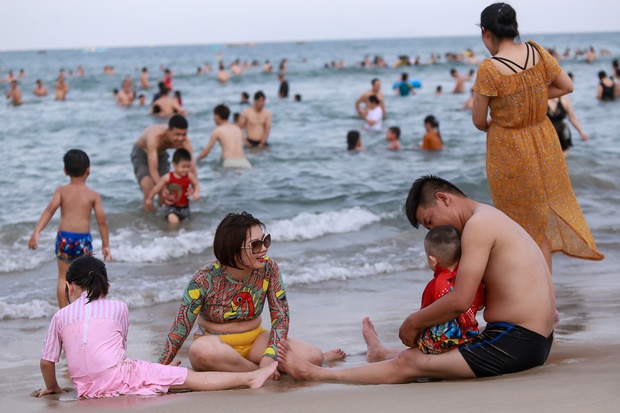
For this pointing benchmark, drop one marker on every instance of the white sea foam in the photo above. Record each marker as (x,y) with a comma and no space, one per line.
(307,225)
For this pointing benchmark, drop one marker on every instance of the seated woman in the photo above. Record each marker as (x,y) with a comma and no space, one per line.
(229,295)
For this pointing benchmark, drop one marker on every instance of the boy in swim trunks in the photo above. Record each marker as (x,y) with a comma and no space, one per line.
(76,202)
(443,252)
(178,182)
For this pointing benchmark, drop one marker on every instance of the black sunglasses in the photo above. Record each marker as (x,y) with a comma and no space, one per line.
(257,245)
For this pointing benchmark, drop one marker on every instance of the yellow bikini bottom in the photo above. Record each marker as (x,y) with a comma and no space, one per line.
(241,342)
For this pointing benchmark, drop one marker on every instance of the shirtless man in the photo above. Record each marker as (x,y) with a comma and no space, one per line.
(9,77)
(222,74)
(61,88)
(256,121)
(149,155)
(375,90)
(166,105)
(520,300)
(459,86)
(144,78)
(39,89)
(230,137)
(122,98)
(15,93)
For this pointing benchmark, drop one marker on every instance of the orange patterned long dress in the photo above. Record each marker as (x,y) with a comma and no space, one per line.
(526,170)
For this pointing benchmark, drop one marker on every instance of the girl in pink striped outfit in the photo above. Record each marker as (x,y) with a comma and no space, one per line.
(94,333)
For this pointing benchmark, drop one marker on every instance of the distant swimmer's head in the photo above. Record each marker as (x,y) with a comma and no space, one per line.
(76,163)
(432,121)
(222,111)
(423,198)
(88,274)
(500,19)
(298,98)
(376,83)
(373,100)
(443,246)
(602,75)
(144,70)
(163,89)
(393,133)
(453,72)
(404,77)
(259,99)
(353,140)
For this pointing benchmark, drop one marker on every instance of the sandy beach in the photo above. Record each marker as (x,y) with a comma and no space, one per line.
(581,374)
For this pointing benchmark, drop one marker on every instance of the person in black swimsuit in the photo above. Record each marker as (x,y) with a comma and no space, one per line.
(558,110)
(606,88)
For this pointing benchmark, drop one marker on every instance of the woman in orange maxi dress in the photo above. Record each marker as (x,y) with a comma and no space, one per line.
(526,170)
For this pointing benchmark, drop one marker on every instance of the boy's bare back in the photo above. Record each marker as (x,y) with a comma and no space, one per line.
(77,201)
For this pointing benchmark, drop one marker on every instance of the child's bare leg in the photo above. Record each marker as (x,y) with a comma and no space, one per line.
(61,294)
(209,353)
(376,351)
(173,219)
(215,380)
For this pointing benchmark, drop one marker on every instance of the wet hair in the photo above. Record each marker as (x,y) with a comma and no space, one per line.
(76,162)
(222,111)
(89,273)
(144,69)
(438,88)
(177,121)
(618,72)
(245,95)
(259,95)
(163,89)
(181,155)
(422,194)
(501,20)
(141,95)
(298,98)
(236,116)
(395,130)
(452,71)
(444,243)
(372,82)
(115,91)
(602,75)
(156,109)
(431,120)
(374,99)
(404,76)
(352,138)
(230,237)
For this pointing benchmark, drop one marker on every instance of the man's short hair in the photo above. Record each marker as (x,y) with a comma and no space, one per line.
(372,82)
(163,89)
(444,243)
(181,155)
(352,138)
(259,95)
(230,237)
(374,99)
(395,130)
(144,69)
(422,194)
(245,95)
(177,121)
(76,162)
(452,71)
(404,76)
(222,111)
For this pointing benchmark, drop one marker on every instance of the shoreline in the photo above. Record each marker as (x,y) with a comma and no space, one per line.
(575,378)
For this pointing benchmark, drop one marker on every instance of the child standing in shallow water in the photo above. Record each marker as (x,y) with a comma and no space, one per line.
(94,333)
(443,252)
(76,202)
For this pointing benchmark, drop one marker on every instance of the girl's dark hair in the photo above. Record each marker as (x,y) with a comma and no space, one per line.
(352,137)
(230,237)
(89,273)
(431,120)
(501,20)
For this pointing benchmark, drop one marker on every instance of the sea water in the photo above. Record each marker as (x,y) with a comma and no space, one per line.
(336,218)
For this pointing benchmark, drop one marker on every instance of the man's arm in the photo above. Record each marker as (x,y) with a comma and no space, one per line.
(205,152)
(267,130)
(477,242)
(104,231)
(187,145)
(46,216)
(195,187)
(152,156)
(358,104)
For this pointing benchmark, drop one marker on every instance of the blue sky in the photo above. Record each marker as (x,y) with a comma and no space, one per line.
(56,24)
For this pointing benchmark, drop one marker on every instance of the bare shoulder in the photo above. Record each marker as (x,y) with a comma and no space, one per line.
(485,222)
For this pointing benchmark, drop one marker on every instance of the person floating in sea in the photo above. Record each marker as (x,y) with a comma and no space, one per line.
(180,182)
(283,90)
(149,155)
(76,202)
(61,89)
(256,120)
(558,110)
(230,137)
(404,86)
(40,90)
(144,78)
(15,93)
(606,90)
(97,363)
(459,86)
(354,141)
(165,105)
(432,138)
(393,137)
(363,99)
(374,114)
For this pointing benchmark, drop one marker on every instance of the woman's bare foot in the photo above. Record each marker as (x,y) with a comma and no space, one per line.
(376,351)
(334,355)
(260,376)
(293,365)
